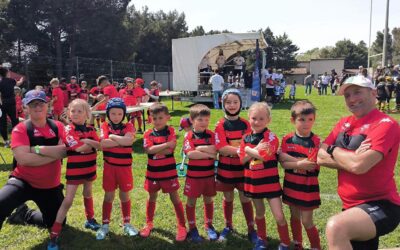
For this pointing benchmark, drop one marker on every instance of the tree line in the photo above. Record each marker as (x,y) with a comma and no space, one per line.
(357,54)
(116,30)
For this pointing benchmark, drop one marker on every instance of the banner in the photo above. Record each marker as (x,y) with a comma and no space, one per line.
(256,89)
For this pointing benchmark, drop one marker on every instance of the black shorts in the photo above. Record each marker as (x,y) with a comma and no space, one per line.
(386,217)
(270,92)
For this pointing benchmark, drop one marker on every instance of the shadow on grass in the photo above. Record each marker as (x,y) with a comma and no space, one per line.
(73,238)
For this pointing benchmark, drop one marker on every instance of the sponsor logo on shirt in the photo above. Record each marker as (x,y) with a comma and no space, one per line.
(36,133)
(385,120)
(364,127)
(217,141)
(71,141)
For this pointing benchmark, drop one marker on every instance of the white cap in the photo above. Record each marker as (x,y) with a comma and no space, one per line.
(358,80)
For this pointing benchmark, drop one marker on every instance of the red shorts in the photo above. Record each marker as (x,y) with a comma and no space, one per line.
(227,187)
(194,188)
(166,186)
(79,182)
(117,177)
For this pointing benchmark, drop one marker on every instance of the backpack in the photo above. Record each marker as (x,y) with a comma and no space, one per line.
(33,141)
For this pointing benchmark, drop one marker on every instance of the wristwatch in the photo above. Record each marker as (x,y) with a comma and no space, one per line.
(37,149)
(330,149)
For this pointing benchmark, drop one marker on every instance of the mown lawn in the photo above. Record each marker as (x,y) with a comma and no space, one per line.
(74,236)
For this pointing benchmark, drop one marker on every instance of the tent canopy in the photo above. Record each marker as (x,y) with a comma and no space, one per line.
(187,54)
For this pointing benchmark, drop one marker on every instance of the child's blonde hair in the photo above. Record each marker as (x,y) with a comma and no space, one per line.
(262,106)
(54,80)
(82,103)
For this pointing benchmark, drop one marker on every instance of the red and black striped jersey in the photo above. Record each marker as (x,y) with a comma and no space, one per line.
(230,133)
(118,156)
(80,166)
(301,187)
(261,177)
(160,167)
(199,168)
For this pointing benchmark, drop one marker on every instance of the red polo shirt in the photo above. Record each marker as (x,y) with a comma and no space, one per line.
(378,183)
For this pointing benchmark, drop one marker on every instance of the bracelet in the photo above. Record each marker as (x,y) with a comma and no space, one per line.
(37,149)
(330,150)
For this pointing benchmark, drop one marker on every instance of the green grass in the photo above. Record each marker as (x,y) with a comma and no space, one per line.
(74,236)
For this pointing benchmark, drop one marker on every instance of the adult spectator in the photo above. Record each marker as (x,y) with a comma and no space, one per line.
(332,81)
(204,68)
(238,61)
(396,71)
(7,103)
(325,79)
(108,89)
(363,148)
(37,147)
(343,77)
(308,82)
(217,83)
(220,61)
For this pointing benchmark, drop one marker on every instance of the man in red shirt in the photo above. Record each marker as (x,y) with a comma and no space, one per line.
(363,148)
(37,148)
(108,89)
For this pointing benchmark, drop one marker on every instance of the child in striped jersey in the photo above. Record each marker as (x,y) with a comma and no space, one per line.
(159,143)
(230,175)
(116,140)
(199,146)
(300,188)
(258,151)
(81,141)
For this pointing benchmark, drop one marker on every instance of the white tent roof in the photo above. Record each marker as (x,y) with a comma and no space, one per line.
(187,54)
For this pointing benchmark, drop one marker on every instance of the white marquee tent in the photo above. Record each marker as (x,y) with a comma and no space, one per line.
(187,54)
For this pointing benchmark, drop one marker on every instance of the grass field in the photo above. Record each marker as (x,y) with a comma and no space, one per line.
(74,236)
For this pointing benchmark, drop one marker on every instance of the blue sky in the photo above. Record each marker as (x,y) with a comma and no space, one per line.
(309,23)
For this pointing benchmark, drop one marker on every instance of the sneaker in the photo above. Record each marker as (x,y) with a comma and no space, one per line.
(92,224)
(283,247)
(130,230)
(297,246)
(181,233)
(145,232)
(18,217)
(139,131)
(252,236)
(7,144)
(224,234)
(52,245)
(194,236)
(102,232)
(260,244)
(211,233)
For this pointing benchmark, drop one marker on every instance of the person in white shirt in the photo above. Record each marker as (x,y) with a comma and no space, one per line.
(325,79)
(217,83)
(238,61)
